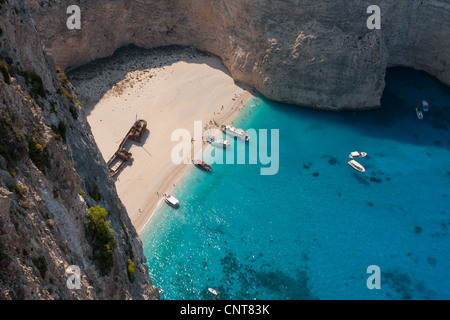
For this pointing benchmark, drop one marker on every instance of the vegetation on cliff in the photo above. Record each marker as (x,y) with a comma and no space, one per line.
(47,155)
(64,84)
(37,149)
(12,141)
(103,240)
(4,71)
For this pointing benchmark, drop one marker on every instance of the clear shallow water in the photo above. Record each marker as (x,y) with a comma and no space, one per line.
(311,231)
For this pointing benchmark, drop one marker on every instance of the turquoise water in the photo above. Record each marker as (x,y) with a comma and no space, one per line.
(311,231)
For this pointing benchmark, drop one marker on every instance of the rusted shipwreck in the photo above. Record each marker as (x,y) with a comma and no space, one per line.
(122,156)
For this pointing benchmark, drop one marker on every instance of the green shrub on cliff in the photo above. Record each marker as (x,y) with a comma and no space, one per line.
(96,194)
(64,83)
(41,265)
(38,153)
(20,190)
(131,268)
(12,141)
(60,131)
(4,71)
(104,242)
(37,86)
(37,150)
(73,112)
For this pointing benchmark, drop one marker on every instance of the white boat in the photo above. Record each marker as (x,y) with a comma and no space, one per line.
(241,134)
(219,143)
(419,114)
(357,154)
(213,291)
(171,200)
(356,165)
(425,105)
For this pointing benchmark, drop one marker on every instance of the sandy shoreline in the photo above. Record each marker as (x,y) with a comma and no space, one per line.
(170,89)
(170,179)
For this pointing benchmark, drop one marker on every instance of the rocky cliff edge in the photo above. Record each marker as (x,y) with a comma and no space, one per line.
(51,175)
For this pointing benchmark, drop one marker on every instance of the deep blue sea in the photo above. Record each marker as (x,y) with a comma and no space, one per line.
(312,230)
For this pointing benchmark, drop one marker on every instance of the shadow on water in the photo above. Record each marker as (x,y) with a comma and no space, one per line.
(405,90)
(360,179)
(396,118)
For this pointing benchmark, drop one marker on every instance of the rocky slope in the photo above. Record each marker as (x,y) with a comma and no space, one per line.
(48,157)
(306,52)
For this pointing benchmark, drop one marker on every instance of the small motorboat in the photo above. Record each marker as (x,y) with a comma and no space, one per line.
(202,165)
(213,291)
(357,154)
(236,132)
(171,200)
(356,165)
(219,143)
(419,113)
(425,105)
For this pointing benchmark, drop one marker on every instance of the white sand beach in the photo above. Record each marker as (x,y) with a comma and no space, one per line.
(170,91)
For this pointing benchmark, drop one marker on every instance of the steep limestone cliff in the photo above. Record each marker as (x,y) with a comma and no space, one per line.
(307,52)
(48,157)
(315,53)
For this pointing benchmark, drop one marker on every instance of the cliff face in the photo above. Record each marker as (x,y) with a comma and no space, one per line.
(315,53)
(47,157)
